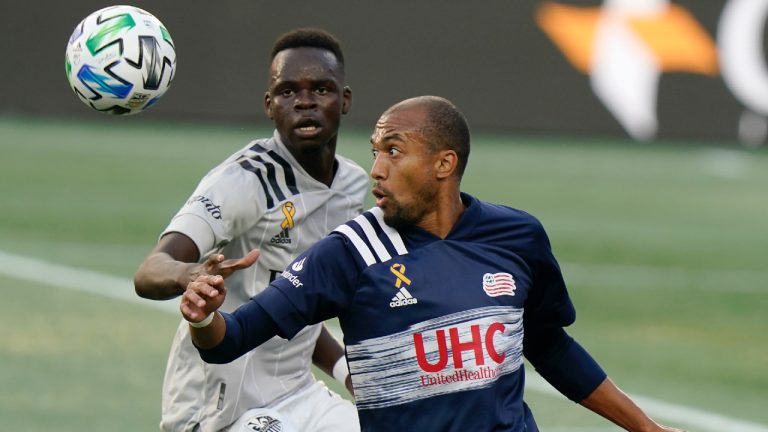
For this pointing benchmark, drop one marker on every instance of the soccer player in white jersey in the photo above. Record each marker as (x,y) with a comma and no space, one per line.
(439,294)
(277,195)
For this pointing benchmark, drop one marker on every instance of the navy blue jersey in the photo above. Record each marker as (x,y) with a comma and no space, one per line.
(435,329)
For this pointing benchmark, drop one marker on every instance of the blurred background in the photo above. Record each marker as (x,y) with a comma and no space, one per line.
(635,130)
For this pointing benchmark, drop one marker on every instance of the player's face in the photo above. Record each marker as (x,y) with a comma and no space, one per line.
(403,168)
(306,98)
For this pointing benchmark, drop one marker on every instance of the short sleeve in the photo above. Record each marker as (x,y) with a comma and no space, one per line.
(554,354)
(548,304)
(222,206)
(318,285)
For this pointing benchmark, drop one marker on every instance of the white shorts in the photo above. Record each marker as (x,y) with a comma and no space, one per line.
(314,409)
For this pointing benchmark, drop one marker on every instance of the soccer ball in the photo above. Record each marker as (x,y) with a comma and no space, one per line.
(120,60)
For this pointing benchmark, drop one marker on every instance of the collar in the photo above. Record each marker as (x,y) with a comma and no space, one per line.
(286,154)
(460,231)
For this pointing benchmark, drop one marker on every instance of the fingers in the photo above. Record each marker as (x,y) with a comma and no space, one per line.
(230,266)
(207,285)
(203,295)
(212,263)
(190,312)
(251,258)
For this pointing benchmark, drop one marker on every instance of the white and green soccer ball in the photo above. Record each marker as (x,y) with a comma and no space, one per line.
(120,60)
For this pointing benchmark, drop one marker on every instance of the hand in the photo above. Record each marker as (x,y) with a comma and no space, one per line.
(203,296)
(215,264)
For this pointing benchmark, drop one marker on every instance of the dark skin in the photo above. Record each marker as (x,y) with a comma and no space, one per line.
(305,99)
(305,96)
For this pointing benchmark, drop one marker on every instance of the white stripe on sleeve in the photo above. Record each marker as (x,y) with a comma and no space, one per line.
(393,235)
(359,244)
(378,246)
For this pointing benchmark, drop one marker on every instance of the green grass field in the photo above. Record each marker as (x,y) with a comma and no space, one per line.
(664,246)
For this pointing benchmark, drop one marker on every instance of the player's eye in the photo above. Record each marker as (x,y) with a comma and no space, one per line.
(393,151)
(375,153)
(286,93)
(322,90)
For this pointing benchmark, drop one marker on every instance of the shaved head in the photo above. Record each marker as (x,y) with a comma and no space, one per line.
(445,127)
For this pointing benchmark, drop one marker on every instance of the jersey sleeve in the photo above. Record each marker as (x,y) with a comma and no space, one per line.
(222,206)
(248,327)
(556,356)
(548,304)
(317,286)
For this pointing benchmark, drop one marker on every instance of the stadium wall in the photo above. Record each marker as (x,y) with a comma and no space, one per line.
(648,69)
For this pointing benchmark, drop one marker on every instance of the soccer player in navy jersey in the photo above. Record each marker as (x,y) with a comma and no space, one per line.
(439,295)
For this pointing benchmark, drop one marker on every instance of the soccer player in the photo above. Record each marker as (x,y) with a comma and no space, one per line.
(277,195)
(439,295)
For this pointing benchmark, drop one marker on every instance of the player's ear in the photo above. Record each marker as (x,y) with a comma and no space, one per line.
(346,99)
(446,164)
(268,105)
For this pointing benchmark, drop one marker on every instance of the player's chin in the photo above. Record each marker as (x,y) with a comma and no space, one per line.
(310,144)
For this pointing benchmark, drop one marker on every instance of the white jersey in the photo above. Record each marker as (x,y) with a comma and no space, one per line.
(259,198)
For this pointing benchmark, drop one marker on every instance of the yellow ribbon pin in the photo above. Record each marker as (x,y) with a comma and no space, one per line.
(288,210)
(398,270)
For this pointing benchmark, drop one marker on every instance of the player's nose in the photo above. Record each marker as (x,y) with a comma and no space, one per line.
(305,99)
(378,169)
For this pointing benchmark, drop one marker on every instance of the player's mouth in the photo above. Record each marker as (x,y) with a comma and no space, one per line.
(307,128)
(380,195)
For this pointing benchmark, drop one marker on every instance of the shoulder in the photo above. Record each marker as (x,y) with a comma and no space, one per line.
(229,165)
(353,175)
(348,166)
(370,239)
(352,181)
(239,181)
(511,228)
(505,216)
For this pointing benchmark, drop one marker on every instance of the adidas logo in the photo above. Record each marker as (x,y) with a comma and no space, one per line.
(282,238)
(403,298)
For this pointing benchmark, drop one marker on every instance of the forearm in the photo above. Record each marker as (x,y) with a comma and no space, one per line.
(327,352)
(229,336)
(160,277)
(610,402)
(329,355)
(210,336)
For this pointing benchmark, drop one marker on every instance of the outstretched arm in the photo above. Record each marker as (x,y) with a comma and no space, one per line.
(613,404)
(222,337)
(573,372)
(172,264)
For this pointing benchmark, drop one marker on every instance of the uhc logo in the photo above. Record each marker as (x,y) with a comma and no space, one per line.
(476,343)
(457,352)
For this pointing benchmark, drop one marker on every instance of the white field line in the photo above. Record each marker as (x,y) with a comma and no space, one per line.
(677,415)
(59,276)
(65,277)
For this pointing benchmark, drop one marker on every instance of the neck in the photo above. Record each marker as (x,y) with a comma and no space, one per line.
(319,162)
(447,212)
(321,167)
